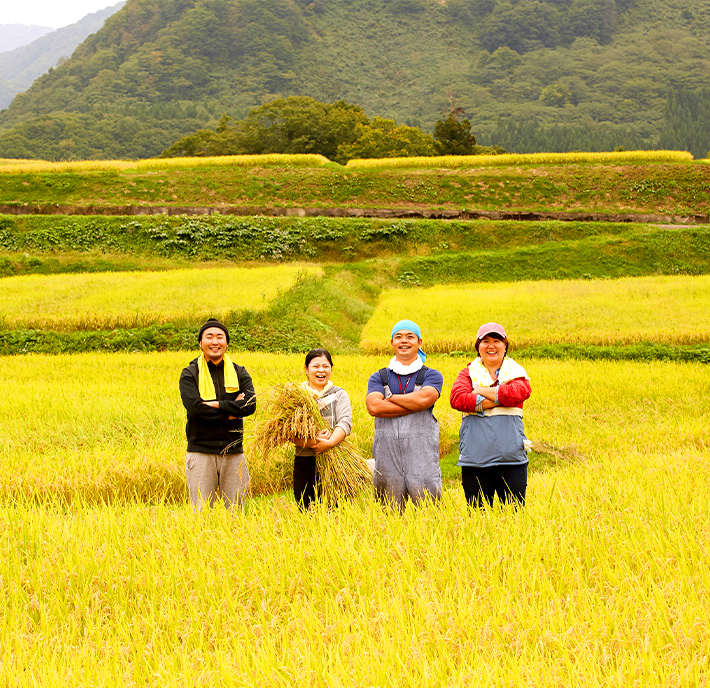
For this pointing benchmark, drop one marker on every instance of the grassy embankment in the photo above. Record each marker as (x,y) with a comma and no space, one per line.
(617,184)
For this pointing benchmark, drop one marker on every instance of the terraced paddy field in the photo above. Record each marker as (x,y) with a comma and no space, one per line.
(110,426)
(135,299)
(664,310)
(108,577)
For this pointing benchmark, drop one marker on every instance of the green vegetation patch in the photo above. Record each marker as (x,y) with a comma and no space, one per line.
(667,188)
(430,249)
(38,243)
(639,251)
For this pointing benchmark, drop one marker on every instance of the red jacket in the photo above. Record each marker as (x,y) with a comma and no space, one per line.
(512,393)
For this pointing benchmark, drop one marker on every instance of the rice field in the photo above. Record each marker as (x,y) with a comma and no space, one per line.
(602,580)
(670,310)
(90,444)
(109,578)
(507,159)
(10,166)
(135,299)
(66,436)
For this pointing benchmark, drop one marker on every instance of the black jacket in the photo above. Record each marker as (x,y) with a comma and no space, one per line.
(209,430)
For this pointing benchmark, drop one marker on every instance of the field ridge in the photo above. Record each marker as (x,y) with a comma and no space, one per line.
(429,213)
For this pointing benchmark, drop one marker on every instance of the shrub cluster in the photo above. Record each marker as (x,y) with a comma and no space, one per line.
(205,238)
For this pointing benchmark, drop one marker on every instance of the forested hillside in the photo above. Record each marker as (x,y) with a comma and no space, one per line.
(529,74)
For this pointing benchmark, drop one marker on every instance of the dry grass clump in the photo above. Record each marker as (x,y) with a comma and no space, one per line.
(457,161)
(292,413)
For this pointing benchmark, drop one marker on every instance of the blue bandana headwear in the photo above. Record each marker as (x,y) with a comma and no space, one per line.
(411,327)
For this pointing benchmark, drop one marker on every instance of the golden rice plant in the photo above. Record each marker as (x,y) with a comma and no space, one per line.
(65,436)
(293,414)
(268,160)
(110,300)
(664,309)
(458,161)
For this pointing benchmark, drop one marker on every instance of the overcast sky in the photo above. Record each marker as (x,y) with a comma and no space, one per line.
(54,13)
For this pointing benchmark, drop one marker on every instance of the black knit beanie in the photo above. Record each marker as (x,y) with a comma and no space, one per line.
(212,322)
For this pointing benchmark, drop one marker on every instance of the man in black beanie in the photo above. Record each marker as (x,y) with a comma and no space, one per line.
(217,393)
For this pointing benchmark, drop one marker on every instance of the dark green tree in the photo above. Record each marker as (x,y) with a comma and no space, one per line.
(300,124)
(297,124)
(454,137)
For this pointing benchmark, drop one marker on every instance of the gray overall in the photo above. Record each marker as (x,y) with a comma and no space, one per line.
(406,452)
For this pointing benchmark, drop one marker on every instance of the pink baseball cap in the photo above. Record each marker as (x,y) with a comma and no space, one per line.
(490,328)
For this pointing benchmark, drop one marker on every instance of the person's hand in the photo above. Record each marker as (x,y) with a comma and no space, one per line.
(239,397)
(321,444)
(322,441)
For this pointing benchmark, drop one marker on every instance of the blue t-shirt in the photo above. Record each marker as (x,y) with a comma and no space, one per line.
(404,384)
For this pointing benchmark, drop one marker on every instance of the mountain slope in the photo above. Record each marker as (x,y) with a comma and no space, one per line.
(156,71)
(14,35)
(20,67)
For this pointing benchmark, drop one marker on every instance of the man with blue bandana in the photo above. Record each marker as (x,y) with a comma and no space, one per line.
(401,397)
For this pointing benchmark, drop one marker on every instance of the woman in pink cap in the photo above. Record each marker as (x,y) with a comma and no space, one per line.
(492,444)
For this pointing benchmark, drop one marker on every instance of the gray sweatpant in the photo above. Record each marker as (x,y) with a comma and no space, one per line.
(207,472)
(406,452)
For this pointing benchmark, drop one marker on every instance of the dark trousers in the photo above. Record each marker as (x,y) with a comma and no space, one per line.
(305,480)
(508,482)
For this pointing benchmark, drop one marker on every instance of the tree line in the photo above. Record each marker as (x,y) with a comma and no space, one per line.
(340,131)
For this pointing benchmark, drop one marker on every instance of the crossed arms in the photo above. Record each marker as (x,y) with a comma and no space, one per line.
(463,393)
(400,404)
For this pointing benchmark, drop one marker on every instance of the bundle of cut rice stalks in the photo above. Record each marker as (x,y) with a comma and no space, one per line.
(294,414)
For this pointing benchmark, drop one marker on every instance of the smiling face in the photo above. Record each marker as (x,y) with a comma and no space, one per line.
(318,372)
(492,351)
(405,345)
(214,344)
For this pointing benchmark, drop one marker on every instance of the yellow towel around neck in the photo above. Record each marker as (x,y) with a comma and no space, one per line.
(509,370)
(207,390)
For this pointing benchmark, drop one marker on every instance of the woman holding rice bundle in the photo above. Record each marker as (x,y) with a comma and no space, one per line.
(335,408)
(492,444)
